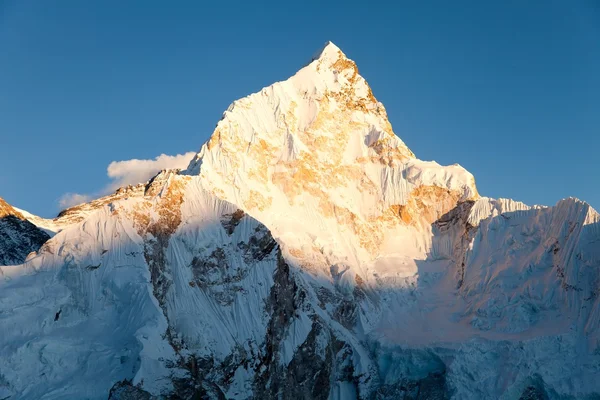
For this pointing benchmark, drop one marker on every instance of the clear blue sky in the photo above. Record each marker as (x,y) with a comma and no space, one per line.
(508,89)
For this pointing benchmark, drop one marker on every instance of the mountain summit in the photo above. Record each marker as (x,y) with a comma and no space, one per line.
(329,49)
(306,253)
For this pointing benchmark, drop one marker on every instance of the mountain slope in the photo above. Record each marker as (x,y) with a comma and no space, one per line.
(18,236)
(307,253)
(78,213)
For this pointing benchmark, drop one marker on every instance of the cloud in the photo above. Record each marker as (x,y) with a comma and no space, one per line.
(72,199)
(129,172)
(135,171)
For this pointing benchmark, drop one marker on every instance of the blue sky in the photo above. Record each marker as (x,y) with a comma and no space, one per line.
(510,89)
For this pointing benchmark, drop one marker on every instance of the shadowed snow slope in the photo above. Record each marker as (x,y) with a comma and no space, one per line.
(306,253)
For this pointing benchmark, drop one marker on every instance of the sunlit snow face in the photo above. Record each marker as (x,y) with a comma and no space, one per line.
(317,152)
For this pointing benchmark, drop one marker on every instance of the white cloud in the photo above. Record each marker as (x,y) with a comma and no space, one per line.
(129,172)
(72,199)
(134,171)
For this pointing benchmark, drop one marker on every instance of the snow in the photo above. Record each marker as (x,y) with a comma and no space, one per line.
(296,335)
(47,225)
(296,122)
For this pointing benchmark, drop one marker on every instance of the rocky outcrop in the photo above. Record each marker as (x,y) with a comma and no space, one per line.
(124,390)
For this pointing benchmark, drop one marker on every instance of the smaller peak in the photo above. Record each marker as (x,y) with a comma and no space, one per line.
(329,52)
(572,201)
(6,210)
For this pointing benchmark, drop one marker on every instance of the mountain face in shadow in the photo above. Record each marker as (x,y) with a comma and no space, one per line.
(305,252)
(18,236)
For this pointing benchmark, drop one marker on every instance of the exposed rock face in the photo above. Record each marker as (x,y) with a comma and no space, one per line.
(306,253)
(126,391)
(18,237)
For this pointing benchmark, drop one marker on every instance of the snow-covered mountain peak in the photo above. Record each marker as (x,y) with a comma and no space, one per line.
(329,51)
(317,154)
(309,102)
